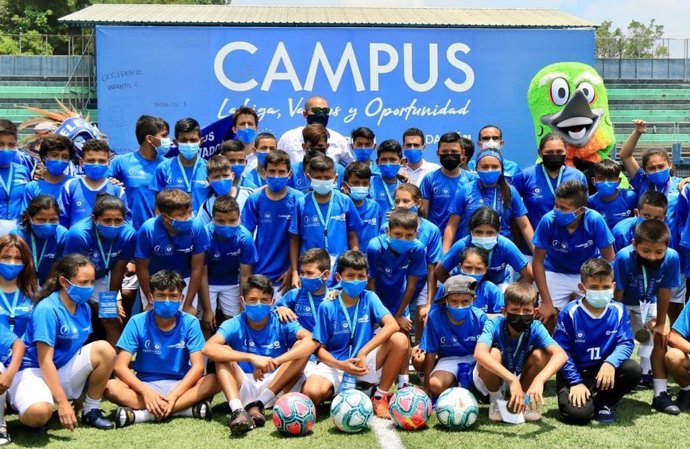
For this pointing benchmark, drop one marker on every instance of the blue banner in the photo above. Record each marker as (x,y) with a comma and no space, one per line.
(388,79)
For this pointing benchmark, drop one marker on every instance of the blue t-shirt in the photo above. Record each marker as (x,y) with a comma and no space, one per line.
(440,189)
(170,174)
(269,222)
(300,181)
(205,212)
(274,340)
(7,339)
(44,252)
(372,216)
(298,300)
(503,254)
(430,236)
(251,179)
(14,178)
(42,187)
(472,196)
(136,173)
(590,341)
(82,239)
(630,276)
(167,252)
(52,324)
(390,271)
(532,186)
(383,192)
(161,355)
(619,208)
(641,184)
(224,257)
(445,339)
(21,309)
(565,251)
(623,233)
(682,323)
(77,199)
(306,222)
(333,330)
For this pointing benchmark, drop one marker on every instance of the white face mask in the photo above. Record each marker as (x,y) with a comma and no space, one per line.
(491,145)
(599,298)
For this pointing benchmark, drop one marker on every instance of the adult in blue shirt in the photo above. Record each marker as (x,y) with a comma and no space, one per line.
(167,343)
(57,366)
(55,152)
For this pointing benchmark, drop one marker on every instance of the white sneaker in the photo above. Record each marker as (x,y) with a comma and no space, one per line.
(532,415)
(494,412)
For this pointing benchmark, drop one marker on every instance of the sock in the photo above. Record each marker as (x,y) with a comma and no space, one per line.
(91,404)
(646,365)
(2,409)
(234,404)
(184,413)
(142,416)
(403,379)
(685,388)
(380,393)
(266,396)
(495,395)
(660,386)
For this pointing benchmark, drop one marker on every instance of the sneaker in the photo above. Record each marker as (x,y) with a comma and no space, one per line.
(202,410)
(124,416)
(605,415)
(96,418)
(532,415)
(240,422)
(665,404)
(381,406)
(494,412)
(683,400)
(4,436)
(256,411)
(645,381)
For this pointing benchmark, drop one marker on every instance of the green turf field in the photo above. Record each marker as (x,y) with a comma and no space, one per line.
(637,426)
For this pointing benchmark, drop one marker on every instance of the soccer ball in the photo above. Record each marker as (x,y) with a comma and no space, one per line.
(351,411)
(410,408)
(294,414)
(457,408)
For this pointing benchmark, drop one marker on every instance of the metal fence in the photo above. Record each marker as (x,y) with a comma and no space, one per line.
(27,67)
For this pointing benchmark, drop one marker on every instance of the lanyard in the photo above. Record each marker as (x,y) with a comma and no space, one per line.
(388,192)
(311,304)
(187,182)
(350,323)
(10,309)
(325,222)
(7,187)
(34,253)
(106,260)
(653,186)
(548,179)
(515,358)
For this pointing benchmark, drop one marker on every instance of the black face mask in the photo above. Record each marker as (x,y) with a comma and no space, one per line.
(653,265)
(450,161)
(519,323)
(318,118)
(553,162)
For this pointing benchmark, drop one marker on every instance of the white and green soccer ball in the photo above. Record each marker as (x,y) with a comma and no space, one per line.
(457,408)
(351,411)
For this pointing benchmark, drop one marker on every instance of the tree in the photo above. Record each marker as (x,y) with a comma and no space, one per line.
(639,41)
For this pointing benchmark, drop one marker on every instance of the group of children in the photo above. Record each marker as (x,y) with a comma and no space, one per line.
(258,275)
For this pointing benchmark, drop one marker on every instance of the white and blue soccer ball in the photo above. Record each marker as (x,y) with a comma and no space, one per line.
(457,408)
(351,411)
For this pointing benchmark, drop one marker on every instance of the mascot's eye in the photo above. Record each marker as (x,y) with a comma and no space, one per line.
(560,92)
(588,90)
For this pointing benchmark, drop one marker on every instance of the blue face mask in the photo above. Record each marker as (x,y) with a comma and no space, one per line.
(10,271)
(188,150)
(56,168)
(246,135)
(79,294)
(413,156)
(599,298)
(261,159)
(166,309)
(486,243)
(164,147)
(363,154)
(276,183)
(7,156)
(459,313)
(414,209)
(237,170)
(660,178)
(95,171)
(323,187)
(401,246)
(638,220)
(359,193)
(353,288)
(489,177)
(312,285)
(476,277)
(44,230)
(226,231)
(564,218)
(221,186)
(606,188)
(109,232)
(257,312)
(181,225)
(389,171)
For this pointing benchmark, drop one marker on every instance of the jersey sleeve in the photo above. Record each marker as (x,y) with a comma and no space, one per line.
(248,254)
(354,221)
(127,243)
(229,328)
(434,251)
(488,334)
(45,323)
(496,299)
(619,269)
(624,340)
(516,204)
(376,307)
(289,299)
(563,336)
(457,207)
(76,241)
(418,263)
(159,179)
(202,241)
(429,342)
(682,323)
(671,278)
(129,340)
(514,257)
(452,258)
(194,338)
(540,336)
(322,328)
(143,248)
(602,233)
(7,339)
(64,201)
(249,213)
(296,218)
(541,234)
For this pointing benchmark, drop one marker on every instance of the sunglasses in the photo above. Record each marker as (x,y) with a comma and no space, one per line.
(320,111)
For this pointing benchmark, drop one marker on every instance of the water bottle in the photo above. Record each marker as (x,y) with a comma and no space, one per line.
(349,382)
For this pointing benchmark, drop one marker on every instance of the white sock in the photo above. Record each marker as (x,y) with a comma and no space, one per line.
(234,404)
(646,364)
(266,396)
(184,413)
(142,416)
(685,388)
(2,409)
(495,395)
(380,393)
(403,379)
(90,404)
(660,386)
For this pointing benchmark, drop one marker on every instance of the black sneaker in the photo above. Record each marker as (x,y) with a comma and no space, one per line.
(683,400)
(240,422)
(124,416)
(665,404)
(4,436)
(96,418)
(256,411)
(645,381)
(605,415)
(202,410)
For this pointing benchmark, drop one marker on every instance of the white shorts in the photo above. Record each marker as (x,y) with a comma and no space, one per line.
(145,300)
(225,296)
(450,365)
(678,294)
(251,389)
(561,286)
(163,386)
(637,323)
(29,388)
(421,299)
(335,376)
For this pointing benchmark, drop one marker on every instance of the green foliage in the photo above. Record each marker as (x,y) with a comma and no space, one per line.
(638,41)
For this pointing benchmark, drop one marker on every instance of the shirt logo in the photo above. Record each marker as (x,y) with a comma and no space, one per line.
(79,203)
(580,337)
(180,345)
(163,251)
(151,346)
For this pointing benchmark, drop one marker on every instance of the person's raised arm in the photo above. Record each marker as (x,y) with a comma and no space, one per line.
(626,153)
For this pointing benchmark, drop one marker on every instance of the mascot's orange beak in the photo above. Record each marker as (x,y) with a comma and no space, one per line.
(576,122)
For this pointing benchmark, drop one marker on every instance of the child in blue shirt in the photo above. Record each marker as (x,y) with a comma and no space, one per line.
(20,285)
(352,350)
(651,205)
(516,354)
(187,170)
(645,273)
(564,239)
(388,158)
(55,152)
(229,260)
(233,150)
(252,176)
(677,361)
(257,357)
(220,178)
(78,195)
(363,145)
(172,241)
(166,347)
(612,202)
(9,344)
(595,333)
(13,178)
(356,184)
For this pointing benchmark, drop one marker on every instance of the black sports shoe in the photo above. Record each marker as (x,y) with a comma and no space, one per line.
(4,436)
(665,404)
(124,416)
(96,418)
(202,410)
(240,422)
(256,410)
(683,400)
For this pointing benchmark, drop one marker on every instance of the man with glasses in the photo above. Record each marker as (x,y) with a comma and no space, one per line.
(491,138)
(316,110)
